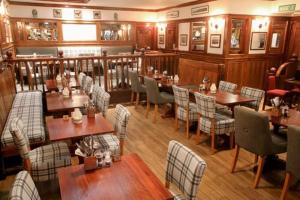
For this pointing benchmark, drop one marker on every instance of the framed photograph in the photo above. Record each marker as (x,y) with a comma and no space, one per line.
(97,14)
(161,39)
(258,41)
(215,40)
(77,14)
(200,10)
(57,13)
(183,39)
(173,14)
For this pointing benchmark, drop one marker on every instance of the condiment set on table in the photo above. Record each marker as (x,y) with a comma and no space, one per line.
(93,157)
(205,86)
(279,108)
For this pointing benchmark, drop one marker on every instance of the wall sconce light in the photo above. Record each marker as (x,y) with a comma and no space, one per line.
(161,26)
(261,22)
(215,22)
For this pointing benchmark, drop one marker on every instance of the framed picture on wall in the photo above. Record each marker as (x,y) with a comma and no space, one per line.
(57,13)
(258,41)
(200,10)
(77,14)
(183,39)
(97,14)
(215,41)
(161,39)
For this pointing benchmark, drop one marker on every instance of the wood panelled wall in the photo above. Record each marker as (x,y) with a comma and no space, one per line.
(241,67)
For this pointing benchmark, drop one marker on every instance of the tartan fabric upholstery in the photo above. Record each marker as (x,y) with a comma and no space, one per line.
(23,188)
(32,98)
(110,142)
(253,93)
(181,96)
(46,159)
(88,83)
(121,117)
(81,78)
(206,106)
(227,86)
(32,117)
(20,139)
(178,196)
(184,169)
(100,99)
(193,115)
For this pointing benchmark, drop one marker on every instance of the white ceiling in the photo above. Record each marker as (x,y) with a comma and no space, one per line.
(146,4)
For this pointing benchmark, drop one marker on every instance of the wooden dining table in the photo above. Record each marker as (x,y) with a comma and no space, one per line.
(293,118)
(128,179)
(51,85)
(57,103)
(63,129)
(226,98)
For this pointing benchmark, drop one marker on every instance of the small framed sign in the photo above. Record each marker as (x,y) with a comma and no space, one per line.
(173,14)
(199,10)
(287,8)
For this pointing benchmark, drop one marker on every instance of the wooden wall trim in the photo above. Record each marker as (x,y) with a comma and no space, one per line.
(66,5)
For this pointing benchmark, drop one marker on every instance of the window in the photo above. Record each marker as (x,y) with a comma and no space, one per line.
(79,32)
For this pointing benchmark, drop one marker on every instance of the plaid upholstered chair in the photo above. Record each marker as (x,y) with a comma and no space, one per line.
(155,97)
(227,86)
(43,161)
(212,122)
(115,142)
(101,99)
(252,133)
(184,169)
(88,85)
(184,110)
(136,87)
(81,79)
(254,94)
(293,159)
(23,188)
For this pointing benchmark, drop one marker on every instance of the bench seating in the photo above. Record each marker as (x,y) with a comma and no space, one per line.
(29,107)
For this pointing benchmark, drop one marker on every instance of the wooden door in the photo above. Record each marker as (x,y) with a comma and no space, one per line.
(144,36)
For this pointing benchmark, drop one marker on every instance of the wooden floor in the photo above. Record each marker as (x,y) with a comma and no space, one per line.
(150,141)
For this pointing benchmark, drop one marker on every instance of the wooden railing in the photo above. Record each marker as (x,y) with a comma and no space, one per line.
(110,72)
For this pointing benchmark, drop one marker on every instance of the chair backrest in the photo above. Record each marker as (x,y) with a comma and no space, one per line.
(135,82)
(206,105)
(87,87)
(20,138)
(181,96)
(252,131)
(121,120)
(253,93)
(81,78)
(101,99)
(227,86)
(23,188)
(152,89)
(184,169)
(293,149)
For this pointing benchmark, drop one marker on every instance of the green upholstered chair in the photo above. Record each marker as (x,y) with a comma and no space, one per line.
(155,97)
(136,87)
(252,133)
(293,158)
